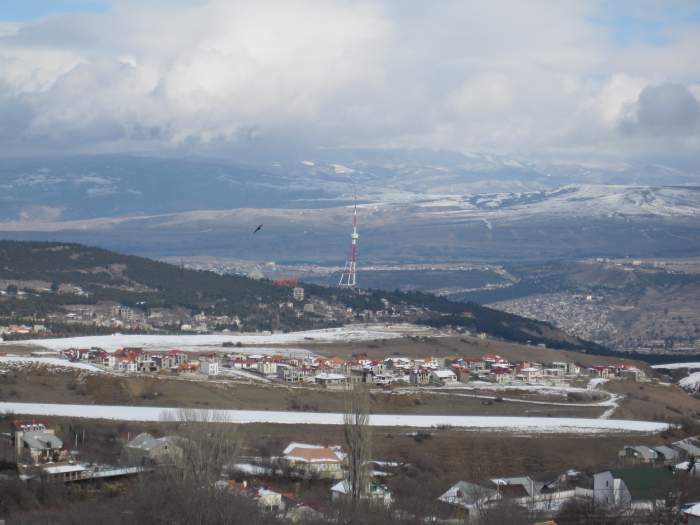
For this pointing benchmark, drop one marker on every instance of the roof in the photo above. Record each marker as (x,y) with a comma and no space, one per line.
(529,487)
(443,373)
(330,377)
(62,469)
(144,440)
(689,445)
(314,455)
(667,452)
(643,451)
(465,493)
(693,511)
(645,483)
(41,440)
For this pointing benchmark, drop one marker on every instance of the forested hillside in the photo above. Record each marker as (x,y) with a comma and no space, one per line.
(42,277)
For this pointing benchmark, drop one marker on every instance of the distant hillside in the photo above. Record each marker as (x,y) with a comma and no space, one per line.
(415,206)
(100,275)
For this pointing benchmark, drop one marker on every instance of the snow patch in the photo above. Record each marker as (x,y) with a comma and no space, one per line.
(482,423)
(677,366)
(214,342)
(46,361)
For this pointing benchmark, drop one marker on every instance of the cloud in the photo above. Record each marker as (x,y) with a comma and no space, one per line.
(212,75)
(662,110)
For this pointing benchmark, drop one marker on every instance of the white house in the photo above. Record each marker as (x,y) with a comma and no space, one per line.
(314,460)
(209,366)
(375,492)
(330,379)
(530,374)
(443,376)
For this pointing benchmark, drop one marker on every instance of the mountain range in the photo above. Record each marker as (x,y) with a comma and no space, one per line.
(414,205)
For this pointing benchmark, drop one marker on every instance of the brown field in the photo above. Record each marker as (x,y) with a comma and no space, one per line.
(40,385)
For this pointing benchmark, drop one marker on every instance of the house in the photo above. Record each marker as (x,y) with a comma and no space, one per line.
(462,372)
(419,376)
(632,488)
(690,514)
(267,367)
(375,492)
(313,460)
(638,454)
(469,497)
(668,455)
(517,487)
(36,443)
(632,373)
(530,374)
(443,376)
(688,446)
(500,375)
(172,359)
(146,449)
(269,500)
(329,379)
(209,365)
(600,371)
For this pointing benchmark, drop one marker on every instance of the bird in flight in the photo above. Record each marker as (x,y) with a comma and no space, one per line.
(257,229)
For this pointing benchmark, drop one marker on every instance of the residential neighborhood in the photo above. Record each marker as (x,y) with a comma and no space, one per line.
(306,368)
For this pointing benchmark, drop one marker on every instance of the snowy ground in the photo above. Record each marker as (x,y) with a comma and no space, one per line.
(20,361)
(692,382)
(205,343)
(483,423)
(676,366)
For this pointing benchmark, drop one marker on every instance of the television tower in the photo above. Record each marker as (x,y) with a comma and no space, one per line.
(349,277)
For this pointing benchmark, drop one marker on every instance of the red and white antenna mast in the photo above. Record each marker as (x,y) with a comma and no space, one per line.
(349,277)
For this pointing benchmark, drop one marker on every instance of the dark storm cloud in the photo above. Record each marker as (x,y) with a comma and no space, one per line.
(663,110)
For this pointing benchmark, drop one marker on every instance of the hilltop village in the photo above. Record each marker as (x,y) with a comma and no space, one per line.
(304,367)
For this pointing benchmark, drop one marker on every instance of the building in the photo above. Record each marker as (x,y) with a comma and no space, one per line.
(37,444)
(443,377)
(145,449)
(329,379)
(639,454)
(668,455)
(375,492)
(313,460)
(209,366)
(690,514)
(688,446)
(632,488)
(530,374)
(298,293)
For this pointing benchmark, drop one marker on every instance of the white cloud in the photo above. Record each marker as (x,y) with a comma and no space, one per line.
(504,76)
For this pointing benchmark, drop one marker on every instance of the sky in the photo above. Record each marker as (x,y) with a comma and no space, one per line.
(577,80)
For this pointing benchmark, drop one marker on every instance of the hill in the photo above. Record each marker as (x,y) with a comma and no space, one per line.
(47,279)
(414,207)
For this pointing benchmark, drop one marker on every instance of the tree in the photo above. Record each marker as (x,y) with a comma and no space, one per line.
(358,441)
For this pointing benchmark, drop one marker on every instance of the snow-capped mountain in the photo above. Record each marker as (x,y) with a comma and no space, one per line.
(415,205)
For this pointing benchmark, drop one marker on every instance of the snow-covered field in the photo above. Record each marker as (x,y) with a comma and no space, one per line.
(207,343)
(676,366)
(484,423)
(21,361)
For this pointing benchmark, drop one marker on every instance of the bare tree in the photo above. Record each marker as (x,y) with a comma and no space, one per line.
(358,441)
